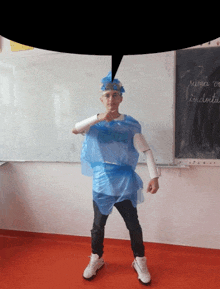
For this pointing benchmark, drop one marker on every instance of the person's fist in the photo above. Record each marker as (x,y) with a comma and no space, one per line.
(153,186)
(108,116)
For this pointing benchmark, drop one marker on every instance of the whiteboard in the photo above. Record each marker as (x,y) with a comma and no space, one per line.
(42,97)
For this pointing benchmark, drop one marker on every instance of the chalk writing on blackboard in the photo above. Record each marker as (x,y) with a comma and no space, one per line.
(204,98)
(199,83)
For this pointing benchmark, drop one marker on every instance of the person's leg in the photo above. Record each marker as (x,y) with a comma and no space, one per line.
(97,231)
(130,216)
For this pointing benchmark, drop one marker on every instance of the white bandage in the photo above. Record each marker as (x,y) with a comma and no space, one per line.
(142,146)
(140,143)
(85,124)
(151,164)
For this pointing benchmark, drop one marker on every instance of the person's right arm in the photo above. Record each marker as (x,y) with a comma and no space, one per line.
(84,125)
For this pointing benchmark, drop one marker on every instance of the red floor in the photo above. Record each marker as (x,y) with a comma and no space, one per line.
(36,261)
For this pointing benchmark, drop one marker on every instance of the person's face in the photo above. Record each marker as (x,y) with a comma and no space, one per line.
(111,100)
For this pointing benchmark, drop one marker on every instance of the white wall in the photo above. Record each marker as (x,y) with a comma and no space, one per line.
(57,198)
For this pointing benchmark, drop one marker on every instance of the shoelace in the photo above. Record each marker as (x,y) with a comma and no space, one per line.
(91,264)
(142,267)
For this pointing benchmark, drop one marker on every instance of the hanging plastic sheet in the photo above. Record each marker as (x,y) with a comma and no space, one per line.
(108,154)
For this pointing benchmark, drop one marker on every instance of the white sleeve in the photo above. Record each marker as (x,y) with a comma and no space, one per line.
(151,164)
(140,143)
(142,146)
(84,125)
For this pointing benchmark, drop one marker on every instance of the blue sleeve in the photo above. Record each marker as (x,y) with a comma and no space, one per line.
(134,124)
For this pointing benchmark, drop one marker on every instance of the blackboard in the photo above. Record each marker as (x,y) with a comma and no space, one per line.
(197,116)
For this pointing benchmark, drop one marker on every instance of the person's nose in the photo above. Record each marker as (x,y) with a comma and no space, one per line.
(111,98)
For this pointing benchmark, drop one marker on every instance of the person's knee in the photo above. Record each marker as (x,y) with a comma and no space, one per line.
(98,227)
(133,226)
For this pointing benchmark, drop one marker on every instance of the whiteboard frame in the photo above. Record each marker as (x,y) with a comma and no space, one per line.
(197,162)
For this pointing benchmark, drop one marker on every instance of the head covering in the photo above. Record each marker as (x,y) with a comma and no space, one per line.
(108,84)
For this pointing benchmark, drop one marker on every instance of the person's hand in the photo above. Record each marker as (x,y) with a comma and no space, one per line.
(108,116)
(153,186)
(75,131)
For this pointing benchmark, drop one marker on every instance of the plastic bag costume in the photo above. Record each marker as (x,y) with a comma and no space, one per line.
(108,154)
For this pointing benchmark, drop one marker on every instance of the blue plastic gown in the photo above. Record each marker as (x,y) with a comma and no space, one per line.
(109,156)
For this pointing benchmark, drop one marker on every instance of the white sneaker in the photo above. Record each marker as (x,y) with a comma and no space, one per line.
(94,265)
(140,265)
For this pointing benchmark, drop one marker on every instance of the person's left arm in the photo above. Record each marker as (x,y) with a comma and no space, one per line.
(142,146)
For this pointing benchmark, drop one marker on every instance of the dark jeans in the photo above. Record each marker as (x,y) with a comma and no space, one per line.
(129,214)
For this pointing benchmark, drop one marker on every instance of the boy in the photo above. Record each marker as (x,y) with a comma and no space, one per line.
(110,155)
